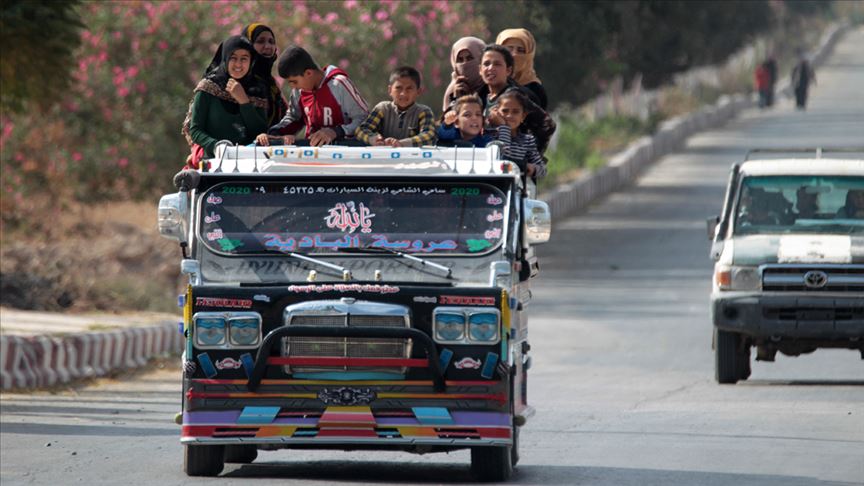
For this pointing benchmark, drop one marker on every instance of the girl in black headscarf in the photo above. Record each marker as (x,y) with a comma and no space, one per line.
(230,103)
(263,40)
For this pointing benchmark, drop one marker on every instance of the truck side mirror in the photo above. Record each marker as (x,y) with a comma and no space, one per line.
(712,223)
(173,216)
(538,221)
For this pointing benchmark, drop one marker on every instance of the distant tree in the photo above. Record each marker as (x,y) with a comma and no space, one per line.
(660,39)
(581,45)
(39,38)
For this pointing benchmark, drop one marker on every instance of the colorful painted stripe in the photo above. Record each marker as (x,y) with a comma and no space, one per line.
(347,432)
(400,383)
(501,398)
(362,416)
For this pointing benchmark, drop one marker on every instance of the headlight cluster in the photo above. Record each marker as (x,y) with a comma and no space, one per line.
(466,325)
(227,329)
(737,278)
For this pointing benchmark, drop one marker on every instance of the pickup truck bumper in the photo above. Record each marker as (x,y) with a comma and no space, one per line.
(825,317)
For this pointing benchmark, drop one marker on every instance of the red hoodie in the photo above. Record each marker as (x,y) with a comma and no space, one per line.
(335,104)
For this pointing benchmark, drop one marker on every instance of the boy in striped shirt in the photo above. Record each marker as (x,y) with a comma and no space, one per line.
(325,101)
(401,122)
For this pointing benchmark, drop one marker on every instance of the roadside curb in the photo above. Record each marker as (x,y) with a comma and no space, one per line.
(40,361)
(626,166)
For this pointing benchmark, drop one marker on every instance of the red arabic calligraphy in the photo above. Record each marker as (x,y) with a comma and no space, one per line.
(347,216)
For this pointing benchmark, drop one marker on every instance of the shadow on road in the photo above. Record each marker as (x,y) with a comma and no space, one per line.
(395,473)
(752,382)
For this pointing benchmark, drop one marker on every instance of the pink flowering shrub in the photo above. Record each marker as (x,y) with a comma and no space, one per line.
(116,134)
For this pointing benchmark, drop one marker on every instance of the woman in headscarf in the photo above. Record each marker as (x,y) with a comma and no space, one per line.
(230,102)
(521,44)
(465,59)
(264,41)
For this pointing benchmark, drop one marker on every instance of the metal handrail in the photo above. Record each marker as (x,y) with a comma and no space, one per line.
(417,336)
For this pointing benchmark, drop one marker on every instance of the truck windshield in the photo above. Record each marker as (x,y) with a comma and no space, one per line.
(801,204)
(425,219)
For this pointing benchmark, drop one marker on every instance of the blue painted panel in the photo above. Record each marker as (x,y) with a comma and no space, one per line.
(489,365)
(258,415)
(432,415)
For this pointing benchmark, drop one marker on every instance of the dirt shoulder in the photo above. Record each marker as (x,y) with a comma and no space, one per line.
(107,257)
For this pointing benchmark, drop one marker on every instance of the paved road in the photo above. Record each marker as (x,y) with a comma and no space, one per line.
(623,376)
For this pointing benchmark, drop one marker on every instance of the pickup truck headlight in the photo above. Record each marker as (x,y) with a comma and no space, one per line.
(449,326)
(483,327)
(245,330)
(737,278)
(209,330)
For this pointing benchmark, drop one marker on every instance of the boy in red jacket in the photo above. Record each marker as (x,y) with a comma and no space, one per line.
(325,101)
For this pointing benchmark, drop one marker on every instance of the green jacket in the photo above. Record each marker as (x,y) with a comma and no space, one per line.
(211,122)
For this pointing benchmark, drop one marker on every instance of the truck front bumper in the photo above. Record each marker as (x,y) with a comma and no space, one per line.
(824,317)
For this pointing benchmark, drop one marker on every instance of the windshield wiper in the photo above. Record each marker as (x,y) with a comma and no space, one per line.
(407,256)
(346,274)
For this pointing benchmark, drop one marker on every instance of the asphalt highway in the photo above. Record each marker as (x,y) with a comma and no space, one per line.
(622,378)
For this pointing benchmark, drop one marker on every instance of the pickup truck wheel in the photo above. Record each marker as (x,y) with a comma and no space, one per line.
(203,460)
(492,463)
(240,454)
(731,363)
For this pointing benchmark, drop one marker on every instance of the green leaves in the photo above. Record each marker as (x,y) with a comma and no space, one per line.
(39,39)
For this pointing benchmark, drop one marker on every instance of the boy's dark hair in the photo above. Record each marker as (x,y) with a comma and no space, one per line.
(508,56)
(295,61)
(405,72)
(465,100)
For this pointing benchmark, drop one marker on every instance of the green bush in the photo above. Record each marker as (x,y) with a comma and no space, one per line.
(585,145)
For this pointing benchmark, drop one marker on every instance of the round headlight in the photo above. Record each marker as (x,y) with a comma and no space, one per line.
(244,331)
(210,331)
(483,326)
(449,327)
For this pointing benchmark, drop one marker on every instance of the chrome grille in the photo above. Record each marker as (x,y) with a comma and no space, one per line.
(305,320)
(837,278)
(353,316)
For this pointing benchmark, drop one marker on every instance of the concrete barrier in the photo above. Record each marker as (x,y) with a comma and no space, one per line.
(625,166)
(40,361)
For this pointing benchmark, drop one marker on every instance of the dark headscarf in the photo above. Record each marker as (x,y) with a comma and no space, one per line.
(220,75)
(276,106)
(263,65)
(216,79)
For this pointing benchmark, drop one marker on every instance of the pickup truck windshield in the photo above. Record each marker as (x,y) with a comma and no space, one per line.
(425,219)
(800,204)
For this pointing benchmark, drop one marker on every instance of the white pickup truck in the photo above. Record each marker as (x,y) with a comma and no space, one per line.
(789,253)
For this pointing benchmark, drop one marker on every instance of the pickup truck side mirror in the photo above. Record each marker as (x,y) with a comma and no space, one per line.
(538,221)
(712,223)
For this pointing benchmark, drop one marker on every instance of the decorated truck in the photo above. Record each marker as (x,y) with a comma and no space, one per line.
(355,298)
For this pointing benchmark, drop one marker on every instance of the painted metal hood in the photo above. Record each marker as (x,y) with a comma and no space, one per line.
(797,248)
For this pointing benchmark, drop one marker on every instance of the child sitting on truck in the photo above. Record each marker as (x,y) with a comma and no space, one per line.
(520,146)
(463,125)
(325,101)
(401,122)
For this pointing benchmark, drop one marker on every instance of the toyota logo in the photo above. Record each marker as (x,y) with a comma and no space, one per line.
(815,279)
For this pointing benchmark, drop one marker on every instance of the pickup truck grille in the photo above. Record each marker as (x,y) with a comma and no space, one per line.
(840,278)
(345,347)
